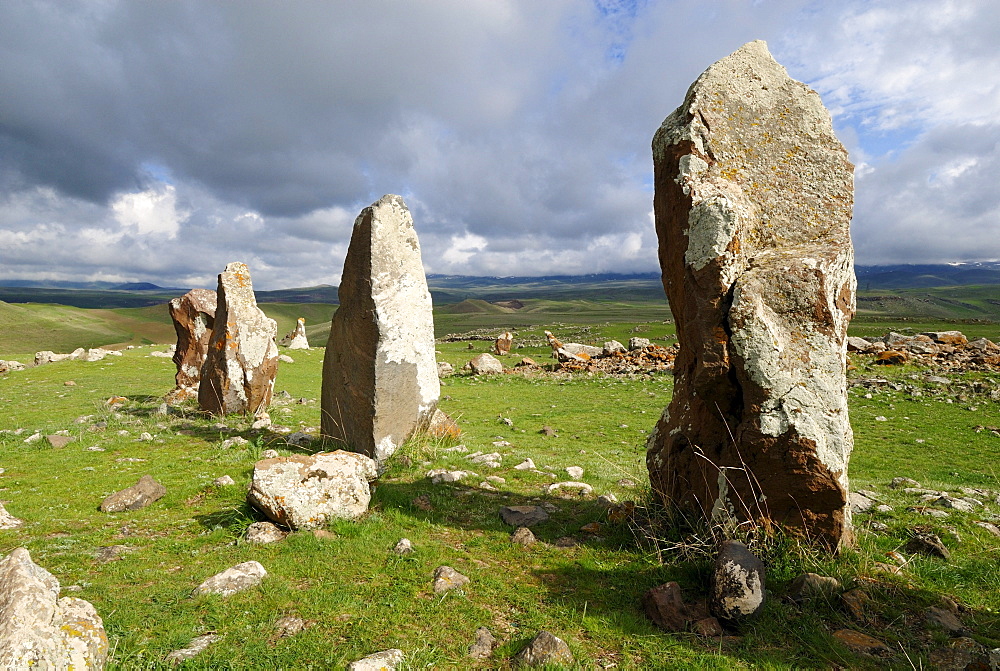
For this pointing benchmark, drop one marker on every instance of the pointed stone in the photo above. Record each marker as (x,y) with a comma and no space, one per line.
(242,360)
(380,381)
(297,339)
(193,315)
(753,198)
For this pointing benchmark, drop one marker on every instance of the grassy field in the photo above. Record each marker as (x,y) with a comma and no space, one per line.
(361,598)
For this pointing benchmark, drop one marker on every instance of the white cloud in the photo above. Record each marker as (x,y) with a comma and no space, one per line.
(150,212)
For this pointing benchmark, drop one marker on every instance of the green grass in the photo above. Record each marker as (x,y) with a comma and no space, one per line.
(363,598)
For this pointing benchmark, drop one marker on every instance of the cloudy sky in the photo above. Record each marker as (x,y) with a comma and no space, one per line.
(158,140)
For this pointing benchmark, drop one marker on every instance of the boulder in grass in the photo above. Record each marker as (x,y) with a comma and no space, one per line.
(545,648)
(39,630)
(232,580)
(141,494)
(386,660)
(307,491)
(486,364)
(736,587)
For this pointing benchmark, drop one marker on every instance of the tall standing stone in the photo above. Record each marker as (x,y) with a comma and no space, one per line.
(238,374)
(193,315)
(753,197)
(380,380)
(296,338)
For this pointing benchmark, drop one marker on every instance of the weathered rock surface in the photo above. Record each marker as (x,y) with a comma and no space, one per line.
(484,644)
(8,521)
(232,580)
(486,364)
(307,491)
(809,585)
(296,339)
(380,381)
(446,579)
(197,646)
(141,494)
(753,197)
(193,315)
(544,648)
(665,606)
(242,360)
(40,630)
(386,660)
(523,516)
(261,533)
(737,582)
(862,643)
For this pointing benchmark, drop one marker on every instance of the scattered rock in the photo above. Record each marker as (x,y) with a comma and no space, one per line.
(574,472)
(380,379)
(638,343)
(762,316)
(386,660)
(141,494)
(523,516)
(8,521)
(40,630)
(58,441)
(613,347)
(544,648)
(860,503)
(577,488)
(665,606)
(197,646)
(927,544)
(548,432)
(810,585)
(708,627)
(288,626)
(403,547)
(439,475)
(111,553)
(964,654)
(269,454)
(443,426)
(232,580)
(242,359)
(235,441)
(484,644)
(526,465)
(523,536)
(989,526)
(862,644)
(284,358)
(446,579)
(445,369)
(260,533)
(307,491)
(946,620)
(737,583)
(486,364)
(493,459)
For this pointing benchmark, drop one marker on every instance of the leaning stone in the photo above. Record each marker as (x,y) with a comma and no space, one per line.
(138,496)
(380,382)
(523,536)
(486,364)
(40,630)
(8,521)
(260,533)
(862,643)
(232,580)
(308,491)
(736,587)
(297,339)
(809,585)
(242,360)
(386,660)
(197,646)
(484,644)
(523,516)
(927,544)
(193,315)
(543,649)
(753,197)
(446,579)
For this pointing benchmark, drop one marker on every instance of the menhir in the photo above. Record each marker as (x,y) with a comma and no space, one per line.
(238,373)
(193,315)
(753,197)
(380,381)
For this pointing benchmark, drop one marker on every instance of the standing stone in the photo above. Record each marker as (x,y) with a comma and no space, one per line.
(238,374)
(193,315)
(380,381)
(753,197)
(40,630)
(503,343)
(296,339)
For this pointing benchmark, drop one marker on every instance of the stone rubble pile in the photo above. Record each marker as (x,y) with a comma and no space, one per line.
(942,350)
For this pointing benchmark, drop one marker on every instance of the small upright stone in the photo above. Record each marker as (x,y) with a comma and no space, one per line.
(380,382)
(242,360)
(753,198)
(193,315)
(502,344)
(297,339)
(737,582)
